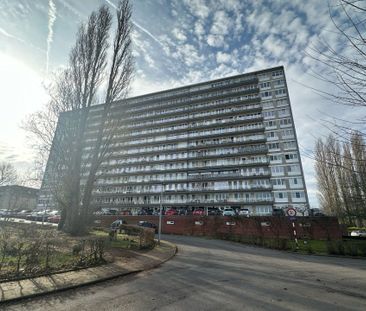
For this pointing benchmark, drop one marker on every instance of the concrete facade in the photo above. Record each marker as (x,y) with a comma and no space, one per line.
(225,143)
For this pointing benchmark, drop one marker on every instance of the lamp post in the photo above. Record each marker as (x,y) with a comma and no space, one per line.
(160,213)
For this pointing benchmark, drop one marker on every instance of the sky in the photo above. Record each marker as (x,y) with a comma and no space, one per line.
(175,42)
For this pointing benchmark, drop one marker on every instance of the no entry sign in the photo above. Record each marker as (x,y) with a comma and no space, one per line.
(291,212)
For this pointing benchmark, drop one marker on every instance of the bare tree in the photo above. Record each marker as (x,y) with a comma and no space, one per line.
(118,85)
(344,65)
(340,170)
(8,174)
(75,157)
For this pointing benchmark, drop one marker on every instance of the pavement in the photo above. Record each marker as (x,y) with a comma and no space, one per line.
(208,274)
(135,261)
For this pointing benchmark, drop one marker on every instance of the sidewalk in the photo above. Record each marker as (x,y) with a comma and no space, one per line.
(15,290)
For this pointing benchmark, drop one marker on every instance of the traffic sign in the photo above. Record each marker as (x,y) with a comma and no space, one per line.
(291,212)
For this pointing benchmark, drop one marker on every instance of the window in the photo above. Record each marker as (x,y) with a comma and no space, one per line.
(291,156)
(277,73)
(289,145)
(282,102)
(280,92)
(275,158)
(277,169)
(274,146)
(266,94)
(265,85)
(293,168)
(278,182)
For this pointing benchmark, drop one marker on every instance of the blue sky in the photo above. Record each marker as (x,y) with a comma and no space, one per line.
(176,42)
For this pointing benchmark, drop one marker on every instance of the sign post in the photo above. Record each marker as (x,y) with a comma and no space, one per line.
(291,212)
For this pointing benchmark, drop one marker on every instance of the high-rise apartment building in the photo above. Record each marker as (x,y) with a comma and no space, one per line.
(230,142)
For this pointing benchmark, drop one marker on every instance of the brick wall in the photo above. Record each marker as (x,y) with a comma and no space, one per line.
(215,226)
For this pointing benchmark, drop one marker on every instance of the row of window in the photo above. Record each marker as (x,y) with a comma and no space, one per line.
(284,112)
(275,123)
(273,83)
(183,118)
(286,157)
(286,145)
(215,131)
(282,169)
(267,104)
(258,148)
(286,195)
(189,198)
(188,126)
(279,92)
(282,182)
(175,166)
(202,142)
(268,75)
(280,134)
(188,90)
(184,156)
(193,186)
(162,177)
(200,96)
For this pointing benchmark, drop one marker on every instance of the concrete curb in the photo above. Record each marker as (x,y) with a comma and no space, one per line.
(82,283)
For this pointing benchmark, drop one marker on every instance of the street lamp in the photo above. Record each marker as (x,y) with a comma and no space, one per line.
(160,213)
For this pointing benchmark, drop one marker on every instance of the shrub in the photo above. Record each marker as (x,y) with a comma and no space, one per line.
(351,249)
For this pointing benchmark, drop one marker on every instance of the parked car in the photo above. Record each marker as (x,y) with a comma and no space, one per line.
(214,212)
(126,213)
(23,214)
(54,219)
(147,224)
(116,224)
(198,212)
(244,212)
(171,212)
(359,233)
(278,212)
(228,212)
(316,212)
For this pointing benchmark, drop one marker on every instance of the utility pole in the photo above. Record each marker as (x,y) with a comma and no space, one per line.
(160,213)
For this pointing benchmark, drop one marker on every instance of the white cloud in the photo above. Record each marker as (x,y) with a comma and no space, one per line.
(199,29)
(221,24)
(223,57)
(51,21)
(179,34)
(197,8)
(215,40)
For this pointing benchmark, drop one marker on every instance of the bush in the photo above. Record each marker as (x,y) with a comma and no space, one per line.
(331,249)
(351,249)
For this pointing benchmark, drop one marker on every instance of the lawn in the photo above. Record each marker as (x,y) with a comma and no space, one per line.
(29,250)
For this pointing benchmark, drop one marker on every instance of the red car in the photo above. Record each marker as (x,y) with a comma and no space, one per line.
(171,212)
(198,212)
(54,219)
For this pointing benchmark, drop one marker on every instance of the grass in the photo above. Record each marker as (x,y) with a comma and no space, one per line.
(32,245)
(348,247)
(310,246)
(121,241)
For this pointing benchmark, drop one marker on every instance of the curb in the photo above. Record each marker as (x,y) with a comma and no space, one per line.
(88,283)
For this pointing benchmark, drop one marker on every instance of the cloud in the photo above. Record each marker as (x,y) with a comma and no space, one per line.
(223,57)
(179,34)
(6,34)
(72,9)
(51,21)
(197,8)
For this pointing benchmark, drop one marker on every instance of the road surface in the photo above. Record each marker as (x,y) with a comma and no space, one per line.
(220,275)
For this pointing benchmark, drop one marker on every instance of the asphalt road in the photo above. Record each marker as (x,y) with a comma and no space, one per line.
(220,275)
